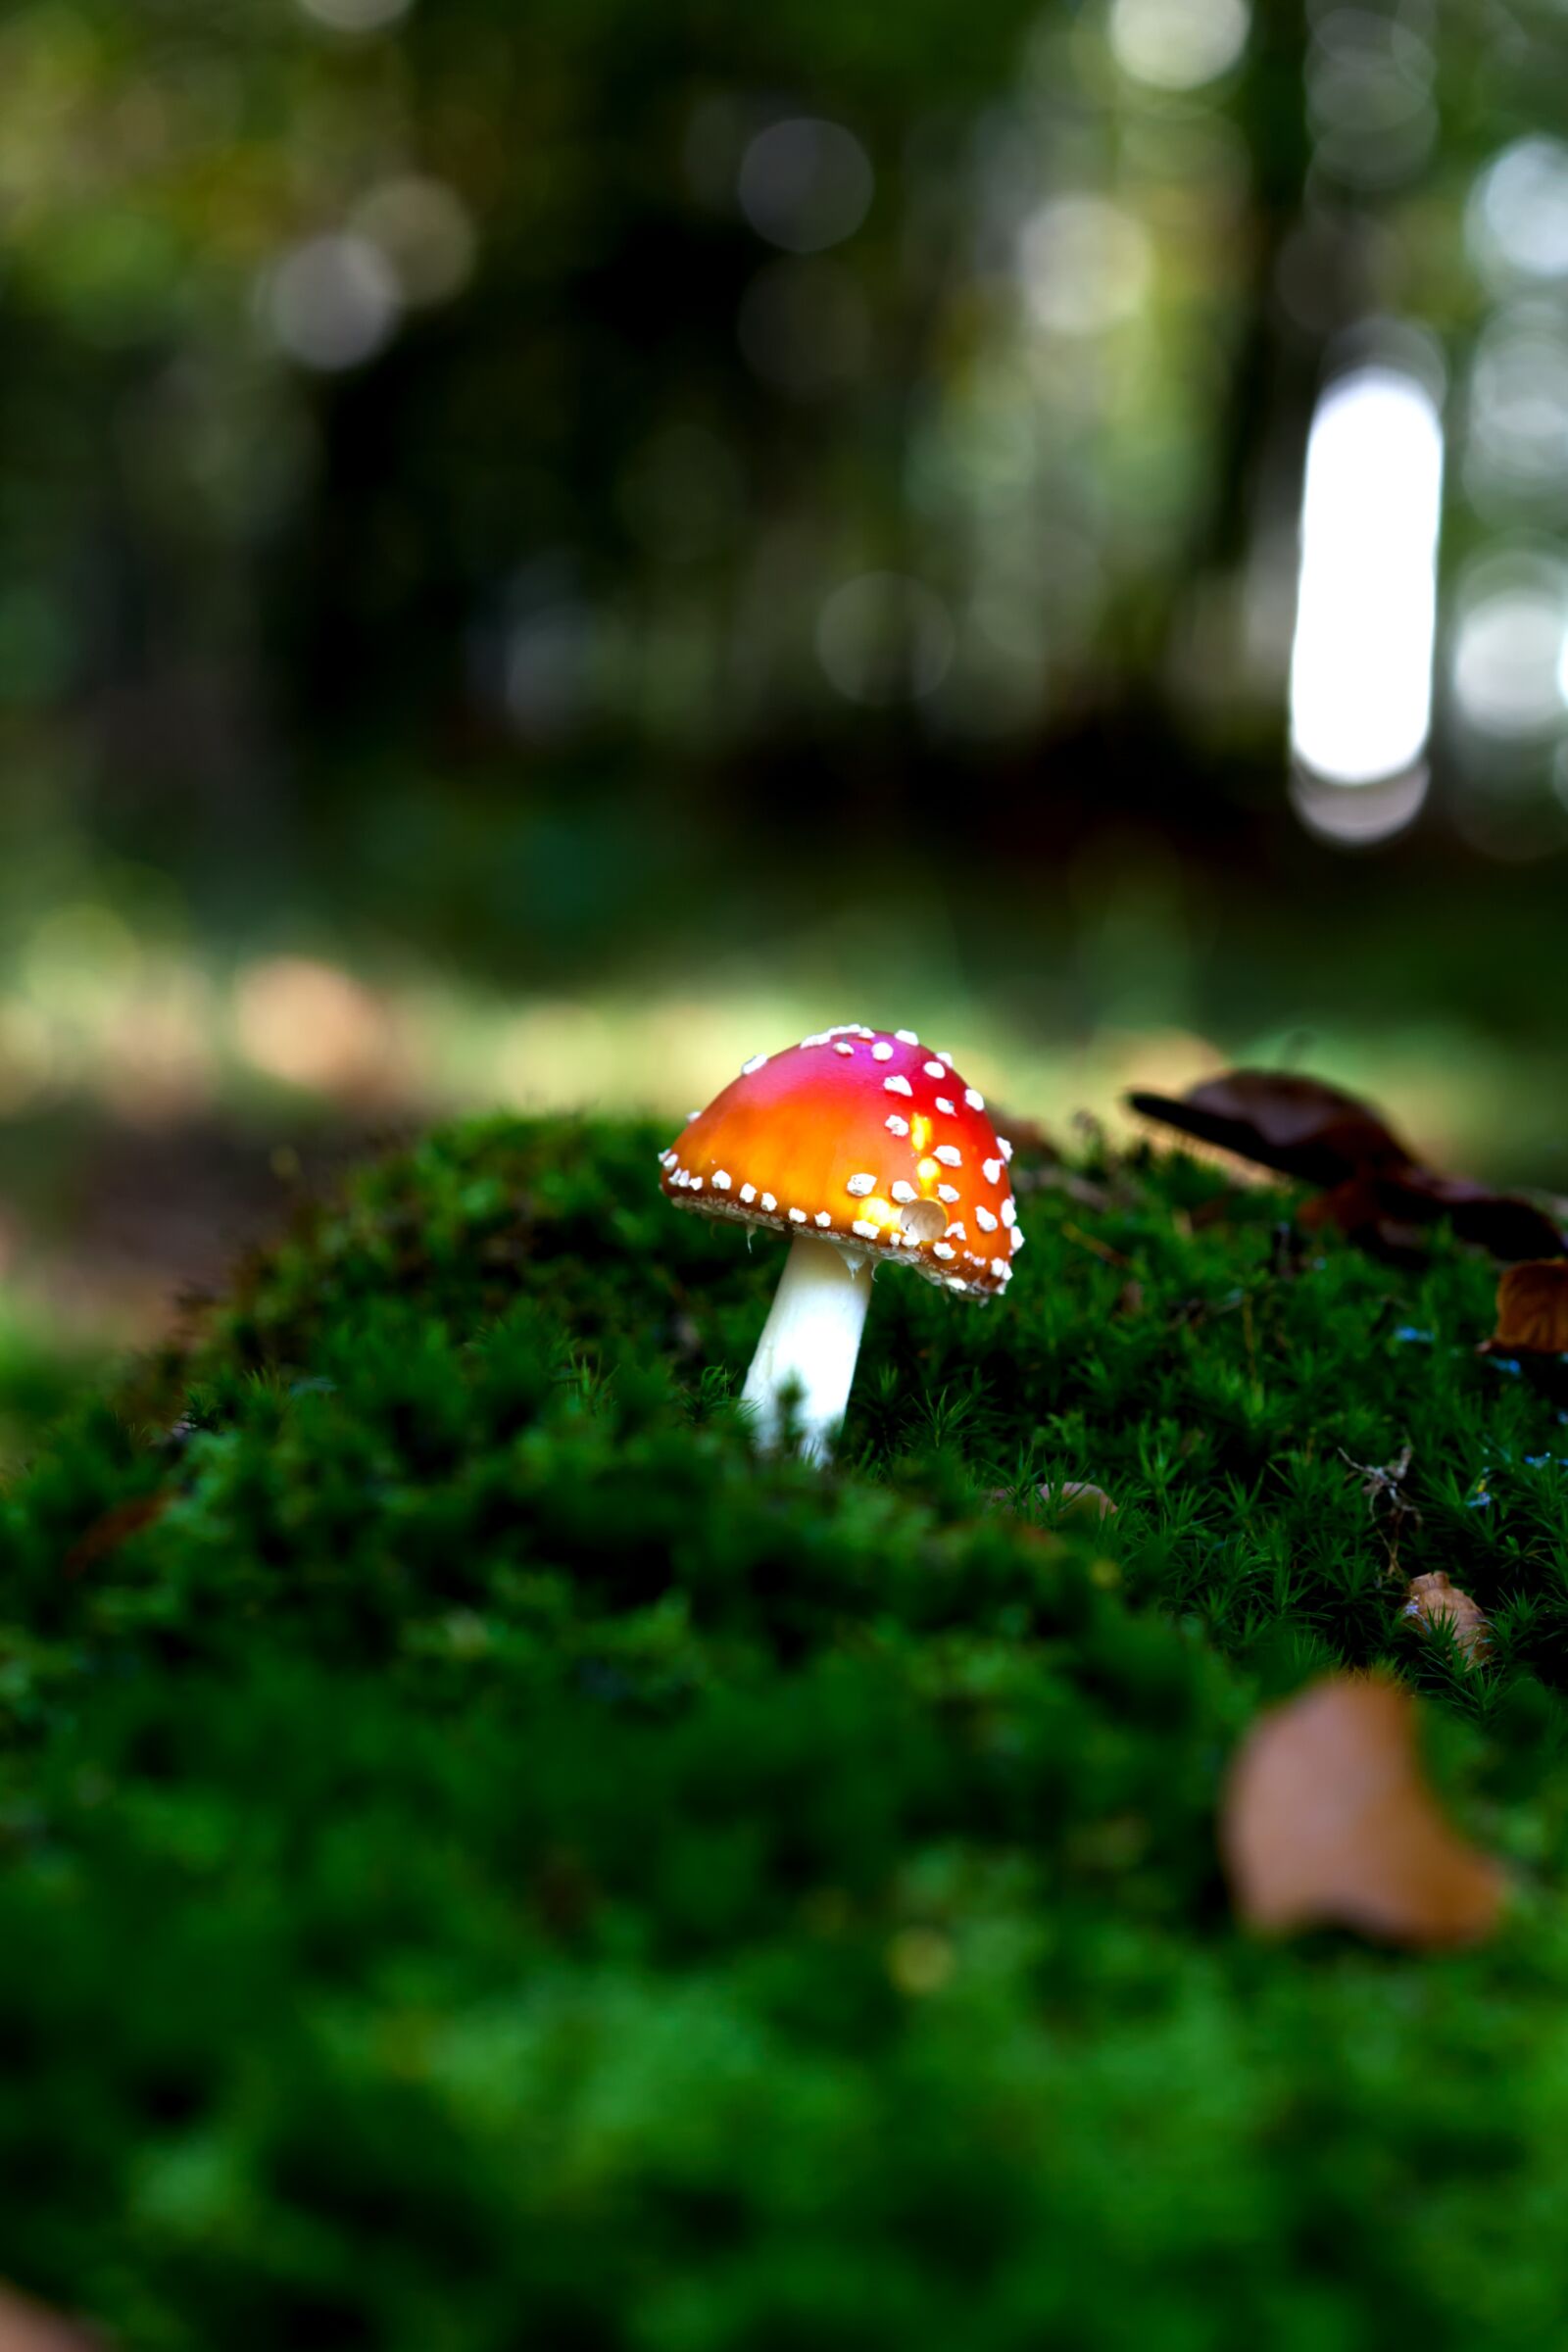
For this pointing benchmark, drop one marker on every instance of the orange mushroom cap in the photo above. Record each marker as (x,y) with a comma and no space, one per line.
(863,1137)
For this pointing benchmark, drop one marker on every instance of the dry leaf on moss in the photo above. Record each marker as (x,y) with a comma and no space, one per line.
(1372,1186)
(1533,1310)
(1432,1600)
(1301,1126)
(1328,1820)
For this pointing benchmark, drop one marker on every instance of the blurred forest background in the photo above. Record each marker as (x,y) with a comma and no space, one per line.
(546,547)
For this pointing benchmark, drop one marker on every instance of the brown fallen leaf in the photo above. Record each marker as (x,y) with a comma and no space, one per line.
(1372,1186)
(1433,1599)
(1301,1126)
(1505,1223)
(1328,1820)
(1532,1309)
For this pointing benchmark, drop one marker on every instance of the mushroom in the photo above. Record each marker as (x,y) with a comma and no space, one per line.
(866,1149)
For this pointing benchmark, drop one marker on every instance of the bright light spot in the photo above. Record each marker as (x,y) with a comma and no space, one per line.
(1354,816)
(1085,265)
(1178,44)
(332,302)
(356,16)
(1508,645)
(423,229)
(1517,219)
(804,328)
(312,1026)
(1366,603)
(884,639)
(805,184)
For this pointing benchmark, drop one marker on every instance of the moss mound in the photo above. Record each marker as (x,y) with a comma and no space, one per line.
(486,1861)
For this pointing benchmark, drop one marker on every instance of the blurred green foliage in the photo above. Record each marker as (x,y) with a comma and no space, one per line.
(486,1857)
(479,471)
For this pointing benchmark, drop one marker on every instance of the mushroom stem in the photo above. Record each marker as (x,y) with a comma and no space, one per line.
(809,1343)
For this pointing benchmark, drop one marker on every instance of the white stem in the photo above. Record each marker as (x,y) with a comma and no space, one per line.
(809,1343)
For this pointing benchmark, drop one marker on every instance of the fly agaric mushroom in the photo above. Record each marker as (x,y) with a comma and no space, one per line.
(868,1150)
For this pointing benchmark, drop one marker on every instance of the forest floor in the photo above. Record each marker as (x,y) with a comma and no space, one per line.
(490,1859)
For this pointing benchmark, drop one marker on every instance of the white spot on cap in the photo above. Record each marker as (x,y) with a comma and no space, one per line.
(1017,1237)
(956,1282)
(902,1191)
(905,1037)
(824,1216)
(755,1063)
(796,1216)
(946,1192)
(973,1096)
(860,1184)
(721,1180)
(956,1231)
(1004,1147)
(895,1125)
(943,1249)
(944,1104)
(984,1220)
(864,1228)
(842,1046)
(945,1057)
(692,1115)
(990,1170)
(1001,1268)
(696,1183)
(748,1192)
(882,1051)
(898,1086)
(769,1203)
(934,1069)
(949,1154)
(666,1160)
(1009,1212)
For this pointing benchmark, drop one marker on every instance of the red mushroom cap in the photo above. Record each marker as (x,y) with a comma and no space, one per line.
(864,1136)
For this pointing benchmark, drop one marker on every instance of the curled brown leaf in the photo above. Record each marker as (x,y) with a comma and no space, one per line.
(1533,1310)
(1328,1820)
(1434,1600)
(1372,1186)
(1301,1126)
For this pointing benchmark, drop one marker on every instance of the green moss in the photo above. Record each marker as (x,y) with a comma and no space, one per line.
(484,1860)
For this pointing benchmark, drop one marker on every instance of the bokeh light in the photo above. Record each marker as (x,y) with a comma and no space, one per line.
(333,301)
(1178,44)
(1506,658)
(1361,663)
(423,229)
(805,184)
(1517,219)
(1085,264)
